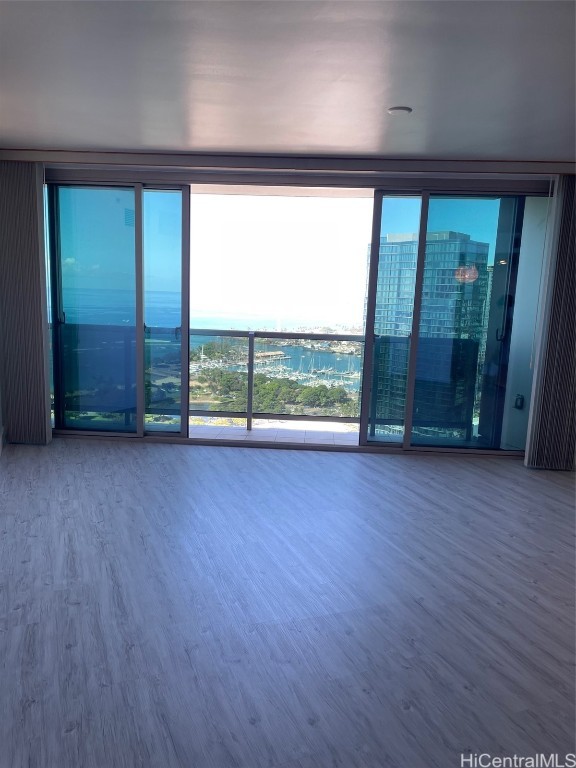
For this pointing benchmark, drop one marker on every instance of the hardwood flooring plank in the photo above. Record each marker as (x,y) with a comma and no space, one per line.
(210,607)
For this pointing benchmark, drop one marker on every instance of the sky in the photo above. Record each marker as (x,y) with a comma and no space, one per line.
(290,260)
(162,239)
(477,217)
(97,242)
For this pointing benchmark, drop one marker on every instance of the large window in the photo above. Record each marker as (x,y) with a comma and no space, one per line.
(167,308)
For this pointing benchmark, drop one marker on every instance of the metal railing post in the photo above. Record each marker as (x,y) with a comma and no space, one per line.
(249,404)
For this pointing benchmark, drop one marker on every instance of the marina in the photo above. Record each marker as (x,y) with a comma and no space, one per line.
(308,366)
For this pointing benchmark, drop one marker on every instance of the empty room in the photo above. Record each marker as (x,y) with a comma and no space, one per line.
(287,384)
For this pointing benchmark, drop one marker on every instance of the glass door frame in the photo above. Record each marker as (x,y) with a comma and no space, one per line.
(370,336)
(56,297)
(56,302)
(185,327)
(416,312)
(184,312)
(406,444)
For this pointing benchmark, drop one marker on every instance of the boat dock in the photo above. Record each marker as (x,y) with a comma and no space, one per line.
(265,358)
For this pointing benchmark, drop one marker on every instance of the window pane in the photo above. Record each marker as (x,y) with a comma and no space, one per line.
(162,247)
(467,320)
(96,338)
(97,255)
(393,316)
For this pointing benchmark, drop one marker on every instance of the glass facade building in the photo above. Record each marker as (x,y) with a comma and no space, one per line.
(452,332)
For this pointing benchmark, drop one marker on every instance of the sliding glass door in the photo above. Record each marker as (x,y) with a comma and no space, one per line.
(466,315)
(94,308)
(162,216)
(120,346)
(453,306)
(390,314)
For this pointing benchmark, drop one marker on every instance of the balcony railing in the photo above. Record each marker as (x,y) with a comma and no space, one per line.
(276,375)
(232,373)
(241,374)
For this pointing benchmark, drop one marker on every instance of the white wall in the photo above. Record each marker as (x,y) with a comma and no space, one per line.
(521,363)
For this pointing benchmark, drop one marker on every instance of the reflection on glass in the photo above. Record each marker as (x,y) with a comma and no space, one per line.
(162,382)
(466,320)
(162,249)
(96,320)
(98,376)
(307,378)
(219,373)
(393,316)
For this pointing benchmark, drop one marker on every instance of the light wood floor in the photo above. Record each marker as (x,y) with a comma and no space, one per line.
(211,607)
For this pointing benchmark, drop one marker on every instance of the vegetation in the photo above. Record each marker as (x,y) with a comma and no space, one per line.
(276,395)
(220,350)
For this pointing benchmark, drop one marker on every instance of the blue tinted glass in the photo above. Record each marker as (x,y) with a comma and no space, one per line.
(162,245)
(96,326)
(468,289)
(398,254)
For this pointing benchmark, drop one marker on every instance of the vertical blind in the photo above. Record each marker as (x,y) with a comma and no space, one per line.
(23,324)
(552,443)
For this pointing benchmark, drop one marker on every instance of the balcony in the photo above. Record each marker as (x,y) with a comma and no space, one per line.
(263,386)
(274,387)
(244,386)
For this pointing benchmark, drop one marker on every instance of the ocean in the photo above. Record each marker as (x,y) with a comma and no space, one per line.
(162,310)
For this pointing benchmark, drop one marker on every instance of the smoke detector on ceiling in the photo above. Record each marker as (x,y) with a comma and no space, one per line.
(399,110)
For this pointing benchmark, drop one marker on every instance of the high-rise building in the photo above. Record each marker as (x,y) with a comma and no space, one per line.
(454,290)
(452,329)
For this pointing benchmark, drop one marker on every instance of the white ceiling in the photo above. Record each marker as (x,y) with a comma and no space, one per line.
(488,80)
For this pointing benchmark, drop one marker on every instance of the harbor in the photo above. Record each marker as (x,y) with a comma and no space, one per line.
(312,365)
